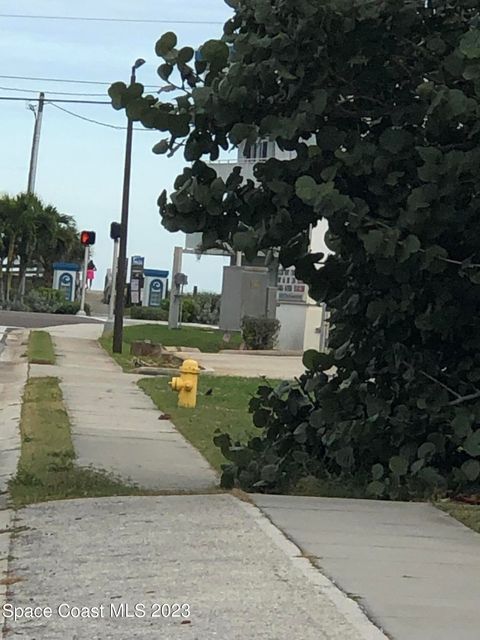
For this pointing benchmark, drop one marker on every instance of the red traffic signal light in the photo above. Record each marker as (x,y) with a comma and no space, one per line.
(87,238)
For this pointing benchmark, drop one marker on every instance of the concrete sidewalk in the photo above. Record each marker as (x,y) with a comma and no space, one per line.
(13,375)
(414,569)
(116,427)
(250,366)
(240,578)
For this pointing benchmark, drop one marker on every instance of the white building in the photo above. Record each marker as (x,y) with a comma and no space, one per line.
(303,322)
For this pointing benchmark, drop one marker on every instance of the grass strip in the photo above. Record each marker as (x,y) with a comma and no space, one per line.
(47,470)
(40,348)
(222,405)
(468,514)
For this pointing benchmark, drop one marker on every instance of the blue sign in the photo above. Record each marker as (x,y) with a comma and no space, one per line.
(66,285)
(156,293)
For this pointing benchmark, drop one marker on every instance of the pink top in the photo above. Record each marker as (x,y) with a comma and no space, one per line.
(90,274)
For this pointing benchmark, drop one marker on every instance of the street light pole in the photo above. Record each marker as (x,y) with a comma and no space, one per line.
(32,171)
(122,254)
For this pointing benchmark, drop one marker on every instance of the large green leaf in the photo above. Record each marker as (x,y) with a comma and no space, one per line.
(376,489)
(306,189)
(161,147)
(378,471)
(215,52)
(165,44)
(472,444)
(471,468)
(244,240)
(398,465)
(470,44)
(373,240)
(185,54)
(165,71)
(394,140)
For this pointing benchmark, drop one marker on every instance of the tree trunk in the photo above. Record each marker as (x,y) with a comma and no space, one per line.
(10,259)
(22,276)
(2,288)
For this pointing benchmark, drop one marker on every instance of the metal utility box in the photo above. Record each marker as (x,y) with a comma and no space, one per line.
(65,278)
(246,291)
(155,287)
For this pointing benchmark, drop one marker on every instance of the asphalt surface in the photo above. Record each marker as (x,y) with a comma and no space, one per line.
(40,320)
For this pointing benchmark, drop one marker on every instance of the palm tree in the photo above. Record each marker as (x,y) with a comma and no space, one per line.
(63,244)
(33,234)
(28,222)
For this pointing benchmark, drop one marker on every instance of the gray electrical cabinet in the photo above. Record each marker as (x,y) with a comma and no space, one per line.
(246,291)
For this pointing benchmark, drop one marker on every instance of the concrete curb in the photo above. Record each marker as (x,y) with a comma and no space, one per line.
(346,606)
(6,529)
(272,353)
(11,394)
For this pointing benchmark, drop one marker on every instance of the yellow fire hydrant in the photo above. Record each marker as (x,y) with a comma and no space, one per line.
(186,384)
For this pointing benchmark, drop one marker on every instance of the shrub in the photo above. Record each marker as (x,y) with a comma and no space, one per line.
(260,333)
(14,306)
(203,308)
(44,300)
(188,309)
(207,308)
(149,313)
(71,308)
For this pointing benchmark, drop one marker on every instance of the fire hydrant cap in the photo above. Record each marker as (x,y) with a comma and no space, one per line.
(190,366)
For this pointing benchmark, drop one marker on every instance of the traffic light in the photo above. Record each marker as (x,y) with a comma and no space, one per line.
(87,238)
(115,230)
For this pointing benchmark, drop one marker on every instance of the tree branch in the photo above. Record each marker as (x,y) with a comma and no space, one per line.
(449,389)
(379,223)
(471,396)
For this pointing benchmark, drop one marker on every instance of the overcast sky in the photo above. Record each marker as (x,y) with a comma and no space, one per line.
(81,164)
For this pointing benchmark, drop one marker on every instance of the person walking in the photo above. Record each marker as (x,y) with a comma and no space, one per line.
(91,268)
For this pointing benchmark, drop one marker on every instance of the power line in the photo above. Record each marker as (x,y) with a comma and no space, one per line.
(61,93)
(92,19)
(76,115)
(102,124)
(67,80)
(29,99)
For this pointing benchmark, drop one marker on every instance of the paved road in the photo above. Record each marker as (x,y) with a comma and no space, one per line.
(39,320)
(415,569)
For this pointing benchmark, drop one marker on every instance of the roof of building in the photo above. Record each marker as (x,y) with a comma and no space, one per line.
(66,266)
(155,273)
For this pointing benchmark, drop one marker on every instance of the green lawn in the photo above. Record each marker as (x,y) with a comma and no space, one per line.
(225,409)
(40,348)
(46,470)
(466,513)
(207,340)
